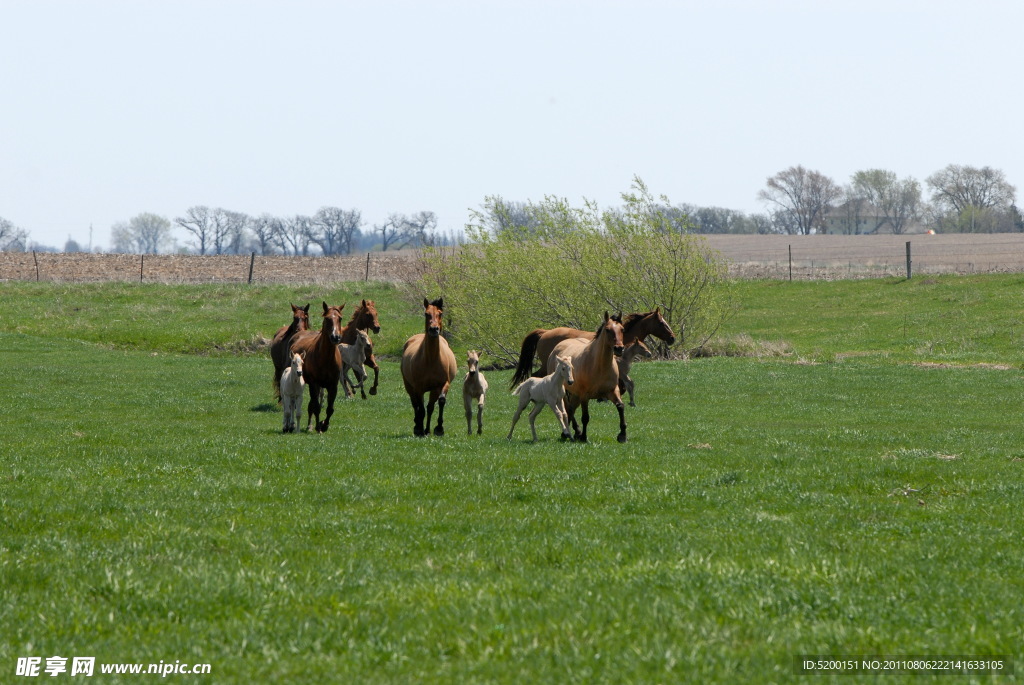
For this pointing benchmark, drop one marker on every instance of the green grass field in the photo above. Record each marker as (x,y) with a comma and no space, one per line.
(857,496)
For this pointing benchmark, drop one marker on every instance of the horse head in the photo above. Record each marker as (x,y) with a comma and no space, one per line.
(432,316)
(660,327)
(332,323)
(300,317)
(612,330)
(564,367)
(366,317)
(473,363)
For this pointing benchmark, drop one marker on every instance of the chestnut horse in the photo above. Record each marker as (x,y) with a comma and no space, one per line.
(596,373)
(541,341)
(428,365)
(364,317)
(282,343)
(322,365)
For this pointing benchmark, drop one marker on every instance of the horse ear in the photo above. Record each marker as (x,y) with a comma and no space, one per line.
(657,310)
(306,308)
(364,304)
(325,308)
(439,303)
(426,303)
(606,317)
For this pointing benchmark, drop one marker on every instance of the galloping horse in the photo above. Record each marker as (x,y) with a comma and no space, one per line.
(428,365)
(322,366)
(596,373)
(364,317)
(282,342)
(541,341)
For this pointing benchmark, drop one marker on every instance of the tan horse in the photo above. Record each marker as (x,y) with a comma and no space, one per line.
(540,341)
(364,318)
(596,373)
(322,364)
(474,387)
(428,365)
(282,343)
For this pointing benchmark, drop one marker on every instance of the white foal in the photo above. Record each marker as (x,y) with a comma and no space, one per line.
(292,384)
(474,388)
(352,357)
(549,390)
(637,349)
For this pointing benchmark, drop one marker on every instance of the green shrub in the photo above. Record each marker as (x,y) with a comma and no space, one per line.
(558,265)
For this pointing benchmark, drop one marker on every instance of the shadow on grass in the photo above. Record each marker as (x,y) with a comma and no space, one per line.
(266,407)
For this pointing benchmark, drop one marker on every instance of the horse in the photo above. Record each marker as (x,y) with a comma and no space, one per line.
(539,342)
(596,372)
(474,388)
(352,357)
(292,384)
(428,365)
(632,351)
(551,390)
(364,318)
(282,343)
(322,367)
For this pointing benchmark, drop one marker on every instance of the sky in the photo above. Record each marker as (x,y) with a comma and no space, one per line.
(110,108)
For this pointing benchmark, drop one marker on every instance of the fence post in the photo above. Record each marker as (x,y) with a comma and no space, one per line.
(790,262)
(367,277)
(36,260)
(252,262)
(142,264)
(908,260)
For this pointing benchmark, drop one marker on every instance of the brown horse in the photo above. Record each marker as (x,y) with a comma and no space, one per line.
(428,365)
(322,365)
(596,373)
(282,343)
(363,318)
(540,341)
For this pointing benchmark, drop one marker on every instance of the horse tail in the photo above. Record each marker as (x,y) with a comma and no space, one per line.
(525,367)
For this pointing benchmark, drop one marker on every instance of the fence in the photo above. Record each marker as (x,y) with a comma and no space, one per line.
(749,256)
(866,256)
(249,268)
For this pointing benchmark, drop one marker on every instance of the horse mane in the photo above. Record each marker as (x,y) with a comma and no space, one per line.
(634,320)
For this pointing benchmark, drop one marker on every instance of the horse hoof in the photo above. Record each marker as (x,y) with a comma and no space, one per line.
(373,391)
(622,437)
(566,437)
(439,432)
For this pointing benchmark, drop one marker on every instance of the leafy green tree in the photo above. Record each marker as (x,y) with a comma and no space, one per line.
(569,265)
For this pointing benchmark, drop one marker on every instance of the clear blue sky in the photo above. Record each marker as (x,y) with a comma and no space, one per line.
(113,108)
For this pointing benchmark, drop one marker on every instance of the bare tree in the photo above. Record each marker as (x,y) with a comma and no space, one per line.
(12,238)
(808,195)
(263,228)
(142,234)
(197,221)
(420,229)
(898,200)
(391,231)
(334,230)
(291,235)
(958,187)
(227,230)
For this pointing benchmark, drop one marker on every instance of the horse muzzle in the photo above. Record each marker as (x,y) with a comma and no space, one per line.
(375,329)
(570,381)
(335,338)
(618,350)
(434,331)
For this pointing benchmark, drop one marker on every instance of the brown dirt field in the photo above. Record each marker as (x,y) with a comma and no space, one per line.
(750,256)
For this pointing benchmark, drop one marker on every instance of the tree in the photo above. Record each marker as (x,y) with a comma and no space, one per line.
(958,187)
(197,222)
(420,227)
(227,229)
(334,230)
(574,264)
(143,234)
(12,238)
(263,229)
(805,195)
(291,235)
(72,245)
(390,231)
(897,200)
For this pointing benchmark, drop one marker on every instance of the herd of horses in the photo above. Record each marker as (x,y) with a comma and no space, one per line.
(576,366)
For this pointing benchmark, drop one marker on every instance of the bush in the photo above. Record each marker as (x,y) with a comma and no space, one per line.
(564,266)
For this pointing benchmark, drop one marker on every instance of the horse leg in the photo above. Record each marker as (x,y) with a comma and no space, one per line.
(287,402)
(584,419)
(332,393)
(439,428)
(376,371)
(616,399)
(628,382)
(480,416)
(314,406)
(537,409)
(467,403)
(563,418)
(570,405)
(523,401)
(418,413)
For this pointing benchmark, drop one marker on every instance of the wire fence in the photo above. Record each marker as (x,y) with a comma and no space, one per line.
(816,257)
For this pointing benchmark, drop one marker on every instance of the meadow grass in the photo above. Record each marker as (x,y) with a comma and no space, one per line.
(152,510)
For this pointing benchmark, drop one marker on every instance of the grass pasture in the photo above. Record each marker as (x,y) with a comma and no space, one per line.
(859,496)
